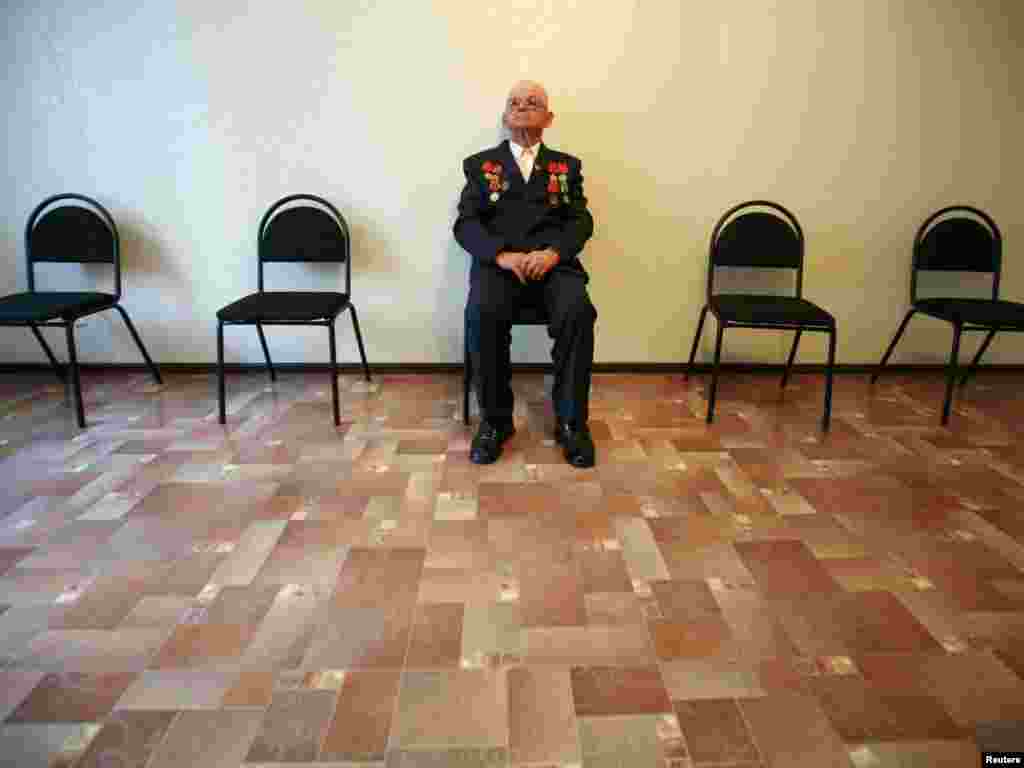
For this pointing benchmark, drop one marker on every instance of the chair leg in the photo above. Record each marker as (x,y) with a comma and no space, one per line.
(266,352)
(696,340)
(981,351)
(954,356)
(49,353)
(138,342)
(892,346)
(714,372)
(334,373)
(792,355)
(76,384)
(467,379)
(827,419)
(221,410)
(359,341)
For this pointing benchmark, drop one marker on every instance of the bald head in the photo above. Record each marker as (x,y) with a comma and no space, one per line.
(527,112)
(527,88)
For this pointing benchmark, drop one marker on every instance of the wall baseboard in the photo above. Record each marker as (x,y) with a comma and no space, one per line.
(452,368)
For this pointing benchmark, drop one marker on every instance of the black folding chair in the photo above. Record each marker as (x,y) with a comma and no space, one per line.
(762,240)
(529,314)
(69,234)
(959,244)
(303,233)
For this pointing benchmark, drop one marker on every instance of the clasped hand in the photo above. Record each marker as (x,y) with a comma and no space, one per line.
(528,266)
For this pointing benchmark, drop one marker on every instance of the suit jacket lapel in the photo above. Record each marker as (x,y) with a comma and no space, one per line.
(539,163)
(514,174)
(539,177)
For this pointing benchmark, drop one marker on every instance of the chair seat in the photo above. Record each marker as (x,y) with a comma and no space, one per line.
(40,306)
(284,306)
(770,310)
(1002,314)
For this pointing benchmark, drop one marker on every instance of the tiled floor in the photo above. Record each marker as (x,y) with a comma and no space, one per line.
(279,591)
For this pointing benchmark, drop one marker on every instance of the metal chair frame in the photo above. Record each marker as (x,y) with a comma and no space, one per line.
(795,325)
(70,318)
(959,328)
(328,323)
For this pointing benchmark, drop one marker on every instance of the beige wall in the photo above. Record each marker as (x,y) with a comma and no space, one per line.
(189,118)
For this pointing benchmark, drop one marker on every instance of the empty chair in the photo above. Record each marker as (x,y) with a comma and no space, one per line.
(69,233)
(968,242)
(295,233)
(762,240)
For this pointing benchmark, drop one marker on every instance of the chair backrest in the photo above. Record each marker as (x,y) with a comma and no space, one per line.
(304,233)
(72,234)
(946,242)
(758,239)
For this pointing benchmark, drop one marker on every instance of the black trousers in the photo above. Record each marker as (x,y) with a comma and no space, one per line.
(495,298)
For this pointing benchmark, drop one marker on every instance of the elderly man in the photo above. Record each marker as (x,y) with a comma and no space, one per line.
(524,219)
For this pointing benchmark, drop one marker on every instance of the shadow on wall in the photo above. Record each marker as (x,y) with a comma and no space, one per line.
(453,292)
(142,253)
(103,337)
(372,252)
(12,256)
(453,287)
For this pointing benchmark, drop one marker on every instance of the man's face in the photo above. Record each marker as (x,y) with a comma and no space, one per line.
(527,108)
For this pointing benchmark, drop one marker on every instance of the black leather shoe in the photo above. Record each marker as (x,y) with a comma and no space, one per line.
(577,444)
(486,447)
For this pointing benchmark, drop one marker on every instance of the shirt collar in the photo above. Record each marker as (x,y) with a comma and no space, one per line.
(518,150)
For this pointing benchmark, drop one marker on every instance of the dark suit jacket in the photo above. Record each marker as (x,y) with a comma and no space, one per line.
(525,216)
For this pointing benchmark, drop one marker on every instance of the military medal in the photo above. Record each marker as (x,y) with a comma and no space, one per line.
(492,174)
(558,182)
(553,185)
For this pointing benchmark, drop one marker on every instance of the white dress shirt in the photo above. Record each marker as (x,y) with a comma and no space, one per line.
(517,153)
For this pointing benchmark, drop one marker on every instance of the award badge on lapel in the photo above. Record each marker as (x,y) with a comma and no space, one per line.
(497,185)
(558,182)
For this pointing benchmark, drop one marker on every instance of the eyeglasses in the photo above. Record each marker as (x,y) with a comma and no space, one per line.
(530,103)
